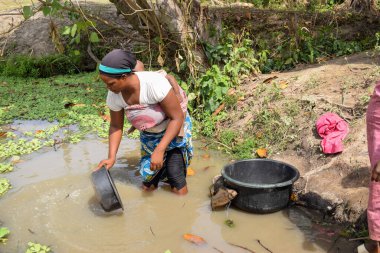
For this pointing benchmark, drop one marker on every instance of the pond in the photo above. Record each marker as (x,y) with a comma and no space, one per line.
(52,202)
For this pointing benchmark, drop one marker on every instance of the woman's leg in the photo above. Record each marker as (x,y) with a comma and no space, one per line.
(153,183)
(176,171)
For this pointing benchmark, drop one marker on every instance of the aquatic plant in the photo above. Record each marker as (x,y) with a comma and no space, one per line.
(5,167)
(4,232)
(37,248)
(4,186)
(75,104)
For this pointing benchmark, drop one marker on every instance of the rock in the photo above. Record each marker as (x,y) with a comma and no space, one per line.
(222,197)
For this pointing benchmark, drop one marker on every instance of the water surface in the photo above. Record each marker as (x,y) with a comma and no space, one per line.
(52,202)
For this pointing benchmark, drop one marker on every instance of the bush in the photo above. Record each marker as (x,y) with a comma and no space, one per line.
(46,66)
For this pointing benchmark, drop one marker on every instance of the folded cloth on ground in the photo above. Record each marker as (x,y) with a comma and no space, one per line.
(333,130)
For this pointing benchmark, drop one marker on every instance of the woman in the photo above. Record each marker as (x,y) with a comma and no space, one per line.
(373,138)
(150,104)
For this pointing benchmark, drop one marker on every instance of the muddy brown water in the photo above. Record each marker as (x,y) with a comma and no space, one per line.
(52,202)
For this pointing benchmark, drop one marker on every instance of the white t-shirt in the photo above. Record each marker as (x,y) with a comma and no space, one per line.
(153,89)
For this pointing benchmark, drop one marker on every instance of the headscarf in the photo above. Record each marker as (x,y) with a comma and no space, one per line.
(117,62)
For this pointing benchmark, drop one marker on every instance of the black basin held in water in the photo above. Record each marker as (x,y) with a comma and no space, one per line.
(105,190)
(263,185)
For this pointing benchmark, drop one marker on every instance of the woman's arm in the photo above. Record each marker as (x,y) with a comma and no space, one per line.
(114,137)
(171,107)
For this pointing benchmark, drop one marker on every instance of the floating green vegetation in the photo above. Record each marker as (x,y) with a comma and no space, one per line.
(5,167)
(37,248)
(75,104)
(4,232)
(4,186)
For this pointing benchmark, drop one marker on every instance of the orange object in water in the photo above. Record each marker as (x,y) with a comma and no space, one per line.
(190,172)
(194,239)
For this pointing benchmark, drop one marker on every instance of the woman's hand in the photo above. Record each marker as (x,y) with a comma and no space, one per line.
(108,163)
(157,159)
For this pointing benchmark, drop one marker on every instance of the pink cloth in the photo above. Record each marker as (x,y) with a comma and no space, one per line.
(333,130)
(143,117)
(373,140)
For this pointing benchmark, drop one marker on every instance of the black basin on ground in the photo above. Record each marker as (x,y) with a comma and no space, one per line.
(105,190)
(263,185)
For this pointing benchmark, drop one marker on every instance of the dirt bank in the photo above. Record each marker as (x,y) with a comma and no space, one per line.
(335,184)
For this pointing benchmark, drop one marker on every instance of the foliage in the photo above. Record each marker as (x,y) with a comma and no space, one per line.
(214,86)
(5,167)
(45,66)
(314,5)
(37,248)
(4,186)
(232,59)
(355,231)
(4,232)
(74,104)
(283,51)
(271,128)
(229,223)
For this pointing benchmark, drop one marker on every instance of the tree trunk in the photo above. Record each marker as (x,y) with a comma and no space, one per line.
(171,24)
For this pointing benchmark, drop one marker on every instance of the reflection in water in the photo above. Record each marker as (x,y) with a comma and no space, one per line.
(58,205)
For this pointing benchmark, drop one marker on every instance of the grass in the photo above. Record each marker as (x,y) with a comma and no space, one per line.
(269,121)
(18,4)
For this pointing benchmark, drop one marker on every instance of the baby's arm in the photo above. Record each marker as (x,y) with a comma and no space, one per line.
(173,82)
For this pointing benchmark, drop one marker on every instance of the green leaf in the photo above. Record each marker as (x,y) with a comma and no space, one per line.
(289,61)
(66,30)
(46,10)
(191,96)
(94,37)
(167,251)
(4,231)
(37,247)
(73,30)
(229,223)
(77,38)
(27,12)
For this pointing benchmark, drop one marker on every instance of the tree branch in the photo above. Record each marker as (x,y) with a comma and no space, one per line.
(106,22)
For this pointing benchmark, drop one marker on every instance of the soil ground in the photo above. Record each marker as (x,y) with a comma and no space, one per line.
(335,184)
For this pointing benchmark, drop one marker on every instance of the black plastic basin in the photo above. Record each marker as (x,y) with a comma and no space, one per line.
(263,185)
(105,190)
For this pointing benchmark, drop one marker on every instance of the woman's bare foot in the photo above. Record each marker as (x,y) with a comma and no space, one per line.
(148,189)
(182,191)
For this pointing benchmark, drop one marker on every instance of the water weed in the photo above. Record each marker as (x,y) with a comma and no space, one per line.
(5,167)
(37,248)
(4,232)
(4,186)
(75,106)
